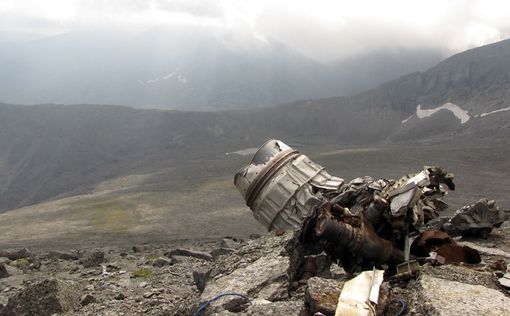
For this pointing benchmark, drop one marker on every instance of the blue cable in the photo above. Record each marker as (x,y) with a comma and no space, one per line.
(403,307)
(217,297)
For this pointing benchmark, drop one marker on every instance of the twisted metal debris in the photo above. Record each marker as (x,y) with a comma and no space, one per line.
(362,223)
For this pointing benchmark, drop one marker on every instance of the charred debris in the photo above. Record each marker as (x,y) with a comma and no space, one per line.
(367,226)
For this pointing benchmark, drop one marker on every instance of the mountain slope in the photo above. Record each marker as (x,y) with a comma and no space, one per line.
(50,150)
(182,69)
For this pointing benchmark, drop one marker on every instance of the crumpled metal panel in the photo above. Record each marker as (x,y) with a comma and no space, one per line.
(283,190)
(360,294)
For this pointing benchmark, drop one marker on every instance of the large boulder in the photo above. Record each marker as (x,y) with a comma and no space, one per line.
(16,254)
(93,259)
(44,298)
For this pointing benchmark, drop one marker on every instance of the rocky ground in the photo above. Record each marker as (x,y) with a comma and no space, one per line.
(176,278)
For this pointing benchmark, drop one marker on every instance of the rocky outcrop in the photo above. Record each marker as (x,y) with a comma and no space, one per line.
(435,296)
(93,259)
(321,295)
(257,269)
(43,298)
(3,271)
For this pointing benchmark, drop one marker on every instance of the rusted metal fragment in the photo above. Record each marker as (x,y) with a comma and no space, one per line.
(477,219)
(346,237)
(447,250)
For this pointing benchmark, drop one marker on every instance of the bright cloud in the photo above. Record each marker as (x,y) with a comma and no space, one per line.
(323,29)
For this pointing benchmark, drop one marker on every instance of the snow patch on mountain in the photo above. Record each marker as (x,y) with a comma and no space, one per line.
(180,78)
(460,113)
(494,112)
(407,119)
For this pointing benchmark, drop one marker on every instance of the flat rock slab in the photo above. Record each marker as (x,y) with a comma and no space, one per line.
(486,250)
(189,253)
(250,280)
(287,308)
(443,297)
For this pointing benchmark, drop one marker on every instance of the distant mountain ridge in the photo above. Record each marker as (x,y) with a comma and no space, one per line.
(49,150)
(185,69)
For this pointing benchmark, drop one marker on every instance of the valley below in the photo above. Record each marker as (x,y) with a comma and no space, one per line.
(196,199)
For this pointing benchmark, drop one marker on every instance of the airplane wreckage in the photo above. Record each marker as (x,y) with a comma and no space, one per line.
(368,226)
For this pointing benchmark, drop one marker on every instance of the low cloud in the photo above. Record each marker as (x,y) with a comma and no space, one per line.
(320,29)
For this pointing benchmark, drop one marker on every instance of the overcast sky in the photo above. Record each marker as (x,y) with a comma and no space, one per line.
(320,29)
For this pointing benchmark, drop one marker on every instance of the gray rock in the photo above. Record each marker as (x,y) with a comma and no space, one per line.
(94,259)
(287,308)
(120,296)
(221,252)
(321,295)
(149,294)
(5,260)
(277,291)
(190,253)
(16,254)
(43,298)
(92,272)
(161,262)
(251,280)
(142,284)
(62,255)
(13,270)
(229,243)
(111,268)
(436,296)
(3,271)
(87,299)
(201,276)
(323,263)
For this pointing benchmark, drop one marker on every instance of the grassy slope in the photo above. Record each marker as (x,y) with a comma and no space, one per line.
(172,204)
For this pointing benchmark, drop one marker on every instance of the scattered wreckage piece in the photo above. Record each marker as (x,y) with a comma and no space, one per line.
(445,248)
(505,280)
(360,294)
(477,219)
(362,224)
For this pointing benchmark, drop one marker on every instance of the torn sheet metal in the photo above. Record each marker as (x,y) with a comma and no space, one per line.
(360,294)
(477,219)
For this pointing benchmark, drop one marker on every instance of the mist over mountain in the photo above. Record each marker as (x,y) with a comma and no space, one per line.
(187,69)
(49,150)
